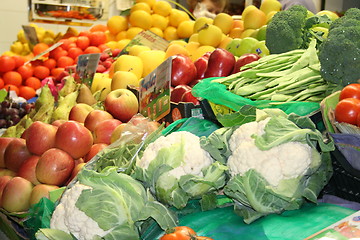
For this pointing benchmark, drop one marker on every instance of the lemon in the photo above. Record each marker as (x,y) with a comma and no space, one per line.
(159,21)
(211,35)
(17,47)
(157,31)
(162,8)
(254,19)
(185,29)
(141,6)
(177,16)
(122,43)
(247,33)
(117,24)
(201,51)
(121,35)
(200,22)
(122,79)
(110,36)
(21,36)
(170,33)
(141,19)
(179,42)
(129,63)
(132,32)
(135,50)
(148,2)
(112,44)
(224,21)
(248,9)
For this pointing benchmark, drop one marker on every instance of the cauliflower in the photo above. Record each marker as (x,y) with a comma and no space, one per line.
(285,161)
(68,218)
(194,157)
(176,168)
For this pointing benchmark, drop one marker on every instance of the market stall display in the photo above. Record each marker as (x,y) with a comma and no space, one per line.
(83,158)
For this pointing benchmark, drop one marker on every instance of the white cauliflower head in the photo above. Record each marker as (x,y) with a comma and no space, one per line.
(194,159)
(285,161)
(68,218)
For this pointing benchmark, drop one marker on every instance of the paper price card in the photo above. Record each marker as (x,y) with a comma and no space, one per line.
(86,67)
(31,36)
(154,92)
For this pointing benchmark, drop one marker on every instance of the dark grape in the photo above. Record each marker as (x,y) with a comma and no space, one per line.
(15,119)
(13,111)
(9,123)
(15,105)
(5,103)
(5,111)
(2,123)
(22,112)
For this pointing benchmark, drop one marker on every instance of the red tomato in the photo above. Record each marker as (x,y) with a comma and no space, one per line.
(179,233)
(347,110)
(350,91)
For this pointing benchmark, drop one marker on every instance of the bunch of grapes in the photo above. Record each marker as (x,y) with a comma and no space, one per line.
(12,112)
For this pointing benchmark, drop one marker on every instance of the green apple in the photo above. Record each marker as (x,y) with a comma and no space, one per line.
(233,45)
(246,46)
(261,35)
(261,49)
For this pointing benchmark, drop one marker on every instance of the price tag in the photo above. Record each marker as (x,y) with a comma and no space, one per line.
(147,38)
(31,36)
(86,67)
(154,92)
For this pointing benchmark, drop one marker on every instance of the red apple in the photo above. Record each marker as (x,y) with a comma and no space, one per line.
(79,112)
(58,122)
(4,141)
(54,167)
(122,104)
(27,169)
(3,181)
(15,154)
(177,93)
(183,70)
(103,130)
(193,83)
(188,97)
(23,135)
(74,138)
(16,195)
(75,171)
(95,117)
(201,65)
(221,63)
(95,149)
(243,60)
(40,137)
(40,191)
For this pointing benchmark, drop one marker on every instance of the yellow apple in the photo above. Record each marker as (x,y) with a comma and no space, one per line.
(151,60)
(122,79)
(129,63)
(135,50)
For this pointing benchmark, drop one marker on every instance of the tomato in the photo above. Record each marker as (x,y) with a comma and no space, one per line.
(203,238)
(347,110)
(179,233)
(350,91)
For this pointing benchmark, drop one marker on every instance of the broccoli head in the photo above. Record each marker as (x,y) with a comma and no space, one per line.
(339,54)
(284,32)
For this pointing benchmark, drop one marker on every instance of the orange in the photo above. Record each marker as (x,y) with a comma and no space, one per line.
(13,78)
(98,28)
(236,32)
(33,82)
(25,71)
(27,92)
(57,53)
(7,63)
(1,83)
(97,38)
(41,72)
(19,61)
(83,42)
(92,49)
(10,87)
(50,63)
(73,53)
(56,71)
(39,48)
(64,61)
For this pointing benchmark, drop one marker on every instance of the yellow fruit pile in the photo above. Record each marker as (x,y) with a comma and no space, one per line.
(21,45)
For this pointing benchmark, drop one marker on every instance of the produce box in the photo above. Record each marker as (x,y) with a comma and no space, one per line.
(345,182)
(182,110)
